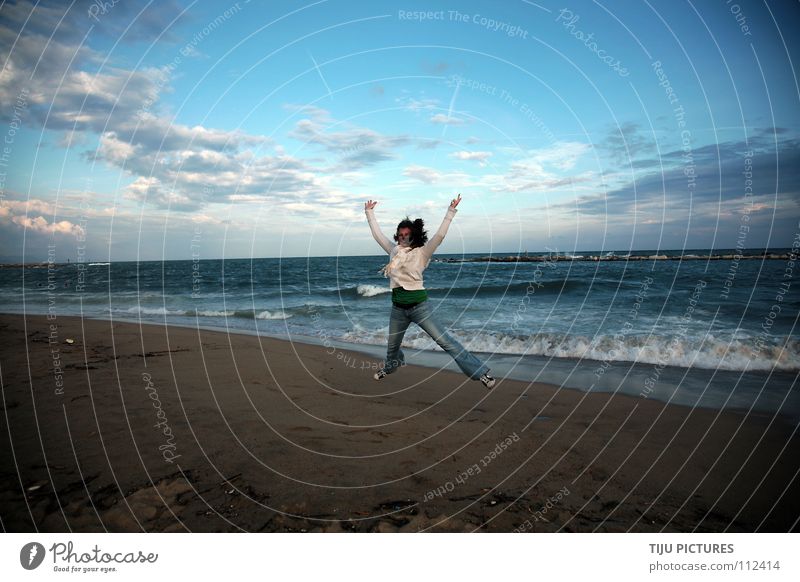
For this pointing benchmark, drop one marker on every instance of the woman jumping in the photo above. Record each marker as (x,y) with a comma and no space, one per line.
(409,258)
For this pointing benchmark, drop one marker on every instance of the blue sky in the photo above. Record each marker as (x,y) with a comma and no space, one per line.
(256,129)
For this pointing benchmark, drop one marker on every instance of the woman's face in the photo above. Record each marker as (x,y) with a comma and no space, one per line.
(404,236)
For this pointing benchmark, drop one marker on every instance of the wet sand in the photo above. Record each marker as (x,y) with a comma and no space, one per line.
(157,428)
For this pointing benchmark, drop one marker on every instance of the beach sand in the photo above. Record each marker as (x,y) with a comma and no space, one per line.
(157,428)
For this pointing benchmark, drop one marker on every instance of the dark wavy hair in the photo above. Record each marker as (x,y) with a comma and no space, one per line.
(419,236)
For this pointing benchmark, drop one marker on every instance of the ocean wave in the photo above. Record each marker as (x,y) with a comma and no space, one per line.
(138,309)
(266,314)
(709,352)
(536,286)
(372,290)
(486,289)
(244,314)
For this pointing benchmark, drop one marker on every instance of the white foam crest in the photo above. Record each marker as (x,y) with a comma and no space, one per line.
(153,310)
(710,352)
(371,290)
(277,314)
(215,313)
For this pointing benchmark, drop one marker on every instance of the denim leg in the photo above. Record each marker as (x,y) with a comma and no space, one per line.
(398,324)
(469,364)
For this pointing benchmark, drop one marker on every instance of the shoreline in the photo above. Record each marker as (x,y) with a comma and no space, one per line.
(272,435)
(508,365)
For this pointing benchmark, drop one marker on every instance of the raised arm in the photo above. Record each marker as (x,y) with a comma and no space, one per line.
(433,243)
(383,240)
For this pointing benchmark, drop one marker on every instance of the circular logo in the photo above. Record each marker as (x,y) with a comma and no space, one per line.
(31,555)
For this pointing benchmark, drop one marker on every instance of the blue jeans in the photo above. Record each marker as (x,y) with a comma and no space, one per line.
(422,315)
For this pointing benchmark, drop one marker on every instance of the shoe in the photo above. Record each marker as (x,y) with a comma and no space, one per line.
(380,375)
(488,380)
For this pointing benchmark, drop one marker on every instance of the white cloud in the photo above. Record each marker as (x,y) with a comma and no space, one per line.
(479,157)
(442,119)
(318,114)
(40,224)
(9,207)
(354,147)
(422,173)
(416,105)
(176,164)
(561,155)
(543,169)
(16,212)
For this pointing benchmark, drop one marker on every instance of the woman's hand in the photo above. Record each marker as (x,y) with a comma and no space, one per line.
(370,204)
(455,201)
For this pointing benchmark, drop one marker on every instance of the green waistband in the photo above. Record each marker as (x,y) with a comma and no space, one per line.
(404,296)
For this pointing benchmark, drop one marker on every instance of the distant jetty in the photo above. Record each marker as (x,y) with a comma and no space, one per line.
(545,257)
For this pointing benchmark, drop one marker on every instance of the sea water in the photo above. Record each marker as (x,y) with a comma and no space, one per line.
(713,333)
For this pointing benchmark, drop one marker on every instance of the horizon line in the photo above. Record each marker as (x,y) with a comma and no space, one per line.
(489,253)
